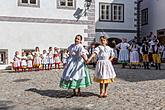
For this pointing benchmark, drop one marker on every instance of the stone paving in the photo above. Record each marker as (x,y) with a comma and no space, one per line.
(133,89)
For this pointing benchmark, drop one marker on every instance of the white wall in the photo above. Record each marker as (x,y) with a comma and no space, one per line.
(128,23)
(17,36)
(48,9)
(156,16)
(22,35)
(128,16)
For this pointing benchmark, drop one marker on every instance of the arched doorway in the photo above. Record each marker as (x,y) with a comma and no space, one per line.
(112,40)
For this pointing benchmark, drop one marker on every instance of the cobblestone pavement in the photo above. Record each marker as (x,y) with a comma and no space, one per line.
(133,89)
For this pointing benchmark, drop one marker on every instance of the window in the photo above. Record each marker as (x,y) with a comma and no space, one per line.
(68,4)
(105,12)
(3,56)
(117,12)
(111,12)
(29,3)
(144,16)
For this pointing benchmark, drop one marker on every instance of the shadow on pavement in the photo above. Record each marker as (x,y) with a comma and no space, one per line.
(136,75)
(59,93)
(68,109)
(6,105)
(21,80)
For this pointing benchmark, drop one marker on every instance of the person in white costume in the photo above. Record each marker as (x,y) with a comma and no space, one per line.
(23,61)
(30,61)
(134,54)
(123,52)
(17,61)
(104,72)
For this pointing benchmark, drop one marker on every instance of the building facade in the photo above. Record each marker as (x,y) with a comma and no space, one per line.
(25,24)
(152,18)
(116,18)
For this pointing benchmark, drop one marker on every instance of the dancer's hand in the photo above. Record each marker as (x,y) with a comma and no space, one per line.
(88,61)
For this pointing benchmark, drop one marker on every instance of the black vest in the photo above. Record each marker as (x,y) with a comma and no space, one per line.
(145,49)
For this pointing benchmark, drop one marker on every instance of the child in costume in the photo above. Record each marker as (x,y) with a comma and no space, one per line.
(37,59)
(104,72)
(75,74)
(17,61)
(51,58)
(64,57)
(24,61)
(45,59)
(30,61)
(57,60)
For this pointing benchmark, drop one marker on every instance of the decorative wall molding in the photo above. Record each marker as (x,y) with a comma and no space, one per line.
(44,20)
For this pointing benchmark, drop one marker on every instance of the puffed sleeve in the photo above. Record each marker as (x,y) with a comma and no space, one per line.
(118,45)
(70,47)
(82,50)
(97,50)
(111,52)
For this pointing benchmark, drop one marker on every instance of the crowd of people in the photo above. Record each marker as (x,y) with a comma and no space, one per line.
(76,58)
(47,60)
(151,52)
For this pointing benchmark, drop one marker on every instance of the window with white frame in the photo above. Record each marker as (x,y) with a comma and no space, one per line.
(105,11)
(111,12)
(30,3)
(3,56)
(117,12)
(144,16)
(68,4)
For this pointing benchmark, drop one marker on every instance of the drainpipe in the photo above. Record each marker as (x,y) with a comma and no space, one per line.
(139,20)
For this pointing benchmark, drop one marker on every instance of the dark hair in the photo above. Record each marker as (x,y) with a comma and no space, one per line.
(103,37)
(37,48)
(79,36)
(50,48)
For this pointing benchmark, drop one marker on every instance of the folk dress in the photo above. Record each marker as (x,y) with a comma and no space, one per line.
(134,55)
(51,57)
(123,53)
(24,61)
(45,59)
(37,59)
(75,74)
(57,59)
(29,61)
(65,57)
(104,72)
(17,61)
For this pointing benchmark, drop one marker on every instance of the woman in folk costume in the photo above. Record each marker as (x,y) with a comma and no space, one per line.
(30,61)
(123,52)
(134,54)
(104,72)
(23,61)
(37,59)
(17,61)
(75,74)
(51,59)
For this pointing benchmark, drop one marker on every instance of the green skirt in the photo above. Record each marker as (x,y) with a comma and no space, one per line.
(74,84)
